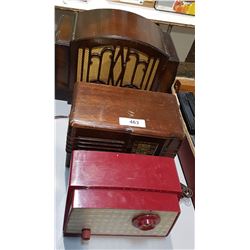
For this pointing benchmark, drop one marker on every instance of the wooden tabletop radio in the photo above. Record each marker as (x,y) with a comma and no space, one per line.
(113,47)
(121,194)
(107,118)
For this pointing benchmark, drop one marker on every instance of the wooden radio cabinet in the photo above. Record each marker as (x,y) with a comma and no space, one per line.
(108,118)
(112,47)
(121,194)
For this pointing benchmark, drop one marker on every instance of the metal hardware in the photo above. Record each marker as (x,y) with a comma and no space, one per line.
(186,191)
(61,116)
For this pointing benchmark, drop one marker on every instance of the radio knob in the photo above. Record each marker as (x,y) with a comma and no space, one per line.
(86,234)
(146,222)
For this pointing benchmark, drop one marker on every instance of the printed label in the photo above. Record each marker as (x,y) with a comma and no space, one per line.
(132,122)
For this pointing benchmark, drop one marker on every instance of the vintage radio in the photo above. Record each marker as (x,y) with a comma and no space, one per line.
(107,118)
(112,47)
(121,194)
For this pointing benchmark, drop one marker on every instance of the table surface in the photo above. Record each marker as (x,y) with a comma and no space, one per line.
(181,236)
(150,13)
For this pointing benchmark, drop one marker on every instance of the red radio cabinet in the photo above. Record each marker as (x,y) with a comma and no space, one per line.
(121,194)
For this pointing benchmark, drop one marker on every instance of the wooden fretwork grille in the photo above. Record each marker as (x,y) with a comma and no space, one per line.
(117,66)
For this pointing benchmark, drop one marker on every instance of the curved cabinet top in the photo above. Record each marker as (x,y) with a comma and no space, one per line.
(92,28)
(111,22)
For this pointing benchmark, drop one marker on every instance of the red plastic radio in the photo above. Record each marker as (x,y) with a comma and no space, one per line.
(121,194)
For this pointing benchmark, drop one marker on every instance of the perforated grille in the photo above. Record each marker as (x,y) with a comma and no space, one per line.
(116,222)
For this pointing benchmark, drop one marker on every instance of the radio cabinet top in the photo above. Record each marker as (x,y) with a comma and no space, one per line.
(113,23)
(101,107)
(110,170)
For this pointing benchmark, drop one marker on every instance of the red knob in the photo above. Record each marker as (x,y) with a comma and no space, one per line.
(146,221)
(86,234)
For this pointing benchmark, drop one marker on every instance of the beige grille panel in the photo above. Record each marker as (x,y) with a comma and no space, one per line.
(130,66)
(116,222)
(79,64)
(106,64)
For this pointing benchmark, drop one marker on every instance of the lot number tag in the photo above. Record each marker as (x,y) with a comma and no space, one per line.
(132,122)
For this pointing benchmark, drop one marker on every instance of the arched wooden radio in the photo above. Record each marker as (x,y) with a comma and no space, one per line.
(112,47)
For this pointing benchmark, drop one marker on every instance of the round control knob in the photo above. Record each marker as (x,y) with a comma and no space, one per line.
(86,234)
(146,222)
